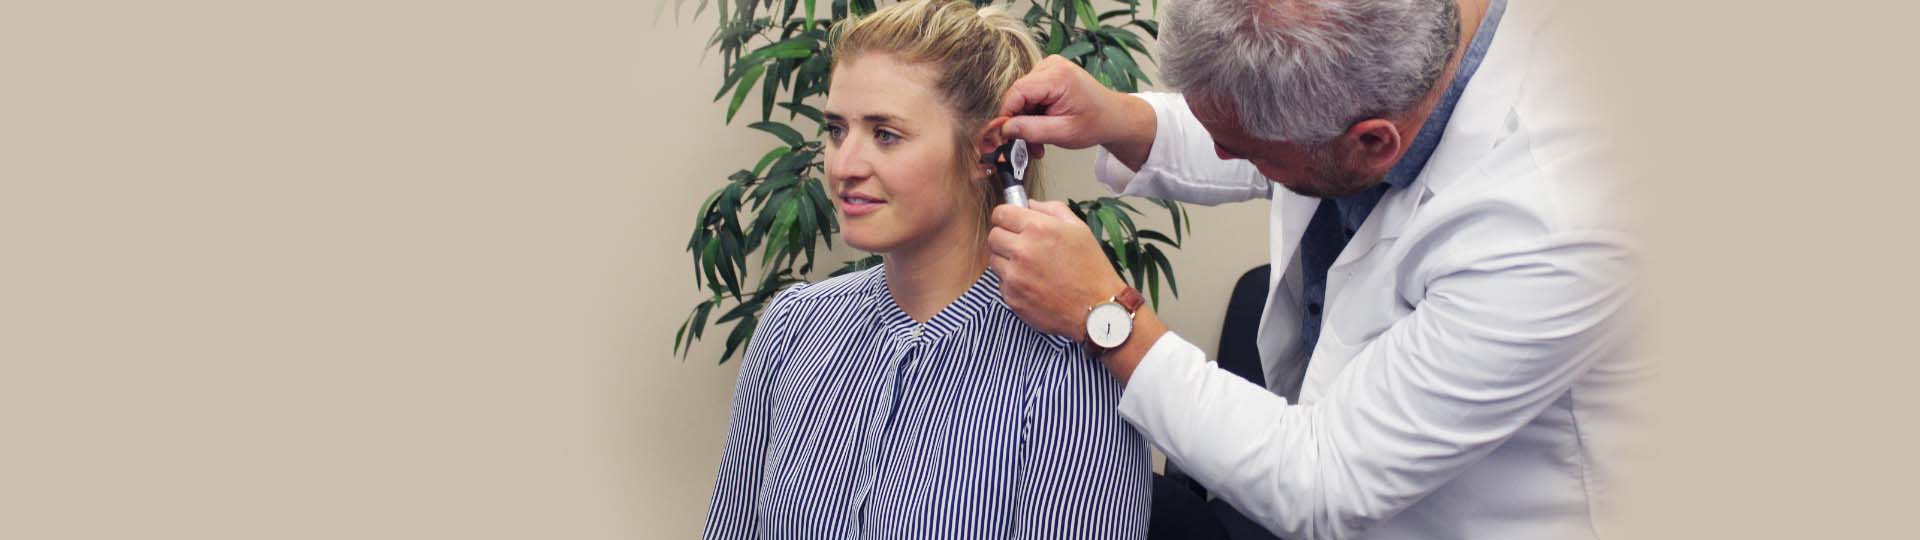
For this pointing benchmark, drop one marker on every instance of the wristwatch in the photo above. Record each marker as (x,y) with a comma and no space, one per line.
(1110,322)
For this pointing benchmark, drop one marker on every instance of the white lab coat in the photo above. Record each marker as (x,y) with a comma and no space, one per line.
(1472,378)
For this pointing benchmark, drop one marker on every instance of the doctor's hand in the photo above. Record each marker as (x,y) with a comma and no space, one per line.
(1051,268)
(1059,103)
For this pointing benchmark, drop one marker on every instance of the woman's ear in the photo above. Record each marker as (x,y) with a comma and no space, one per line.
(989,138)
(985,143)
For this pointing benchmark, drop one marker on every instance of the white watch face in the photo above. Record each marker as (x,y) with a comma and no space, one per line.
(1108,325)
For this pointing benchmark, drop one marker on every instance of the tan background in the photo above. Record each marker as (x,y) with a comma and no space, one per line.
(410,269)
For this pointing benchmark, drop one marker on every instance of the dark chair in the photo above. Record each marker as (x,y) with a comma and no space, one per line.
(1181,509)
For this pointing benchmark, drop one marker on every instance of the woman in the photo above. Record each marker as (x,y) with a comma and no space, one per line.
(907,401)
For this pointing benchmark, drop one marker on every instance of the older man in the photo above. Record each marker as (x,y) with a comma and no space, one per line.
(1443,342)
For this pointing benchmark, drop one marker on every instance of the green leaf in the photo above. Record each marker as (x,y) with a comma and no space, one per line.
(1126,222)
(1156,235)
(823,208)
(1133,264)
(1173,214)
(1166,267)
(771,89)
(1056,38)
(680,334)
(699,322)
(807,230)
(730,271)
(741,310)
(708,256)
(1112,201)
(786,135)
(741,334)
(1077,50)
(776,153)
(777,239)
(1095,222)
(807,111)
(1150,27)
(1115,237)
(1120,58)
(1153,283)
(1115,13)
(732,77)
(1084,9)
(740,92)
(1116,76)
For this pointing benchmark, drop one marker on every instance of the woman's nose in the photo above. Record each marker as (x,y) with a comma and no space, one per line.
(848,160)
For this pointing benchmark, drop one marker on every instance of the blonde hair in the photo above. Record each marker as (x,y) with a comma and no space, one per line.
(976,53)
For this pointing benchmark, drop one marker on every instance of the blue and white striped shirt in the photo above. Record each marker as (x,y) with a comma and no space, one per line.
(852,420)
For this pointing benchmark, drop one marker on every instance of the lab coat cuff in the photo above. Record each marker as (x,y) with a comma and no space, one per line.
(1157,381)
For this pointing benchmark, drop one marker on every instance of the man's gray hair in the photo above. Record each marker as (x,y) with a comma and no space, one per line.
(1303,71)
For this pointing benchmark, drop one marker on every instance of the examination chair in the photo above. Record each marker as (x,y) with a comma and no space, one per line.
(1181,508)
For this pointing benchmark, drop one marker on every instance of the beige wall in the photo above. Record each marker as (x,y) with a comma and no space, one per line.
(410,269)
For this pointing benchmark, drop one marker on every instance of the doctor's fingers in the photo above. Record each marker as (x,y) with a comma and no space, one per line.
(1038,89)
(1016,219)
(1004,244)
(1056,209)
(1057,104)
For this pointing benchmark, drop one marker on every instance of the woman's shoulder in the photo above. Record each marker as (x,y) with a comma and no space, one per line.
(833,291)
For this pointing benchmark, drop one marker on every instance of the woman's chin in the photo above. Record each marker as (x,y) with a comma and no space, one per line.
(869,243)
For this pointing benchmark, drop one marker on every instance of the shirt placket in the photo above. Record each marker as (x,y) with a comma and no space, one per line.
(907,348)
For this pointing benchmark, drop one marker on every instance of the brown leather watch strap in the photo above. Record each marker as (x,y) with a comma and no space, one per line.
(1131,300)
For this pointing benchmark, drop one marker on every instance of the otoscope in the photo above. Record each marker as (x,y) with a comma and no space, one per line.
(1010,160)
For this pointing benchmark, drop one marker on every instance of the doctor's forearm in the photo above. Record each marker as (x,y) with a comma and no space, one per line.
(1132,131)
(1147,329)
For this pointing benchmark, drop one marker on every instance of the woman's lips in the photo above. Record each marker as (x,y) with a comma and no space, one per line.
(859,205)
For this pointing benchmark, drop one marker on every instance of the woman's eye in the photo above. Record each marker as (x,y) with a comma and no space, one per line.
(885,137)
(835,132)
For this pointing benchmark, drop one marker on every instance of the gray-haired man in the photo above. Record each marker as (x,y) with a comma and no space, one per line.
(1443,343)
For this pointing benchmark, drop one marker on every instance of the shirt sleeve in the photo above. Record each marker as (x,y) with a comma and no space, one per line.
(1182,164)
(1085,473)
(733,511)
(1499,335)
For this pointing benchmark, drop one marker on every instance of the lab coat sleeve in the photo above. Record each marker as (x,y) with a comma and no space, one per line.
(1500,332)
(733,510)
(1182,164)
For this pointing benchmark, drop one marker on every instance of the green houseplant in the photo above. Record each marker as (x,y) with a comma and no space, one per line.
(777,51)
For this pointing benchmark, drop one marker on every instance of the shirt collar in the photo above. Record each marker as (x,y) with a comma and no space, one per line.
(982,296)
(1404,172)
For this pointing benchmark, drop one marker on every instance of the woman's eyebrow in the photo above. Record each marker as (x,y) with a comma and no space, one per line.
(872,118)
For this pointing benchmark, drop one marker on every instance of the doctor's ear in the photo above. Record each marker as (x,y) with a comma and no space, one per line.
(1372,145)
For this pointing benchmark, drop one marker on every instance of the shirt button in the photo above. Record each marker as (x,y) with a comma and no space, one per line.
(1313,309)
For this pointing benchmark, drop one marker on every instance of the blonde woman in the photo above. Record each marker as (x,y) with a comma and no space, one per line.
(907,401)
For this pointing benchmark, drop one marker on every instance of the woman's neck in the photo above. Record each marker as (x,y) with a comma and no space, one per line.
(932,274)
